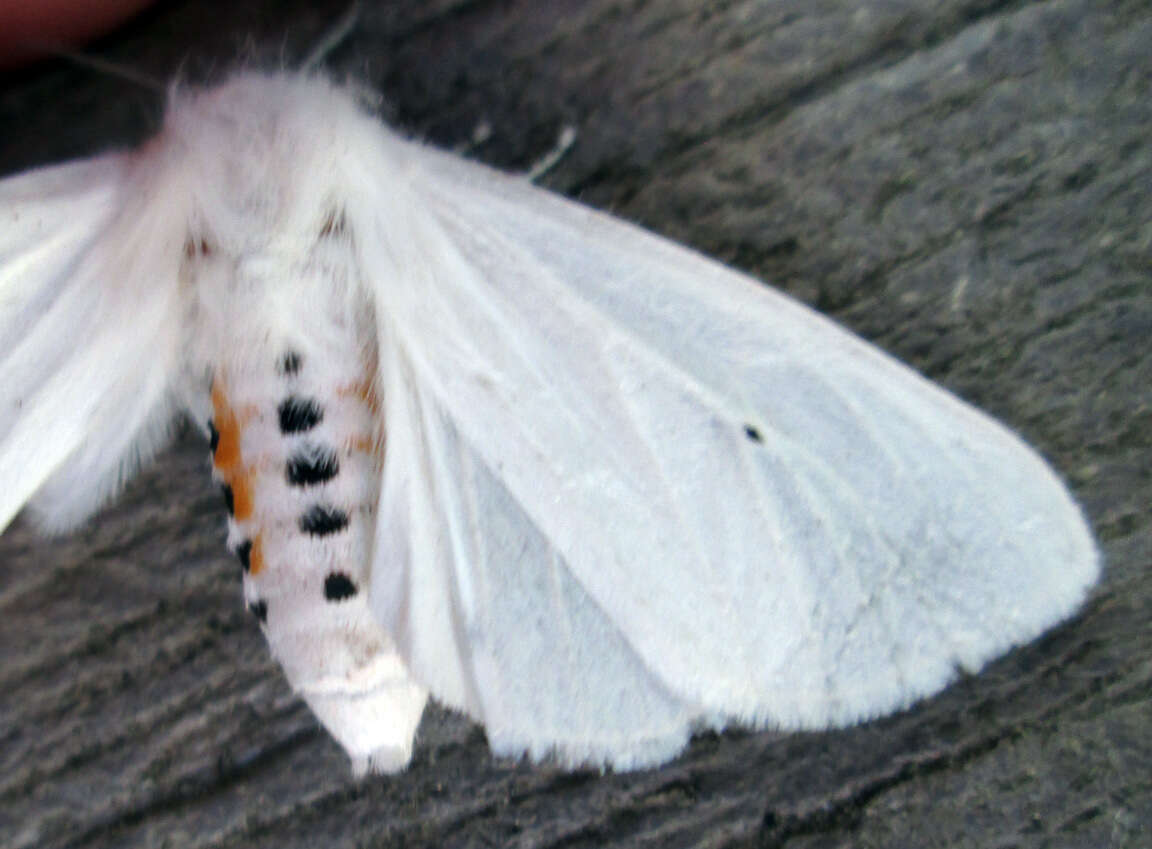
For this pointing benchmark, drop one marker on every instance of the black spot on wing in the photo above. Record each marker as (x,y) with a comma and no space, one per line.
(259,609)
(312,466)
(244,554)
(338,586)
(752,433)
(299,414)
(321,520)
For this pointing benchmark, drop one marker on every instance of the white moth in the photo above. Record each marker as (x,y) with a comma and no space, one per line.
(481,442)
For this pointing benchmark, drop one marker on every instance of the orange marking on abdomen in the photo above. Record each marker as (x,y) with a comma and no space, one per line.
(256,557)
(367,445)
(227,455)
(241,484)
(227,458)
(365,390)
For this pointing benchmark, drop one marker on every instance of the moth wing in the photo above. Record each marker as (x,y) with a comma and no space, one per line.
(629,490)
(489,615)
(89,335)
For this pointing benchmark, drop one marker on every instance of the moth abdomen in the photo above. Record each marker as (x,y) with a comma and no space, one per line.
(298,445)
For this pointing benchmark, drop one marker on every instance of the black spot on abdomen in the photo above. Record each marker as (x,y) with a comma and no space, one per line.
(299,414)
(243,553)
(338,586)
(213,435)
(290,363)
(229,500)
(321,520)
(259,609)
(312,467)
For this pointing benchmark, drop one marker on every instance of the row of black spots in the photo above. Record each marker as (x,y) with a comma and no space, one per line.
(312,466)
(292,417)
(298,415)
(321,520)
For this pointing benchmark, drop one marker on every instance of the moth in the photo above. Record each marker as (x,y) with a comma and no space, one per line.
(481,442)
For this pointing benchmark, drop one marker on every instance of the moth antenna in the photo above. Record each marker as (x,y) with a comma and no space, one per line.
(480,134)
(113,69)
(334,37)
(548,161)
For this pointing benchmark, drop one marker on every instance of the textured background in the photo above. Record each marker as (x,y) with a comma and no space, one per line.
(965,182)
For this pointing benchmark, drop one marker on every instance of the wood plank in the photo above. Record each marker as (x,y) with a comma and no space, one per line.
(965,183)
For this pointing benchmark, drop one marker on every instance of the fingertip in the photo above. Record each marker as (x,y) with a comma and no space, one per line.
(32,29)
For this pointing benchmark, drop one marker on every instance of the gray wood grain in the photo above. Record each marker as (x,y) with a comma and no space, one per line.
(966,183)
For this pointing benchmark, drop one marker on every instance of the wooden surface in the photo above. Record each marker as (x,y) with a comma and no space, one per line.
(965,182)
